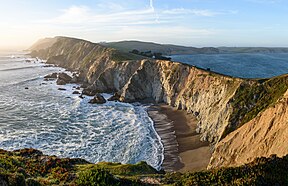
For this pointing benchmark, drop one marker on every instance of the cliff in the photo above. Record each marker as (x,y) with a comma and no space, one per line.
(264,135)
(223,105)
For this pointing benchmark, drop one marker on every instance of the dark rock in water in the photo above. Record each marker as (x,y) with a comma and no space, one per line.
(89,92)
(115,97)
(75,78)
(63,79)
(61,89)
(99,99)
(60,82)
(81,96)
(49,66)
(76,92)
(26,88)
(48,79)
(77,88)
(51,76)
(84,85)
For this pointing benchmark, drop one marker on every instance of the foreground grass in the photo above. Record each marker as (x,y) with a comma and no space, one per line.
(30,167)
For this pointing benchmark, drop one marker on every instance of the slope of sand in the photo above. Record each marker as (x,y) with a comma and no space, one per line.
(183,150)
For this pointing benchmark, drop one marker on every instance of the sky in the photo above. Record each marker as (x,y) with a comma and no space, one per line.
(197,23)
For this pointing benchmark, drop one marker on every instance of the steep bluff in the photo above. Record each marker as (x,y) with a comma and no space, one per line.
(264,135)
(203,93)
(222,104)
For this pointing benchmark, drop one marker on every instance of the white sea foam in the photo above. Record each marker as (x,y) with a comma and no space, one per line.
(62,124)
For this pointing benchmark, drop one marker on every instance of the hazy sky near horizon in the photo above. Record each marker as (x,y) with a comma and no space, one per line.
(184,22)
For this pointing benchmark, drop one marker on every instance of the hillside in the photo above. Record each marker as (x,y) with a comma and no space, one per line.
(224,106)
(166,49)
(127,46)
(30,167)
(43,43)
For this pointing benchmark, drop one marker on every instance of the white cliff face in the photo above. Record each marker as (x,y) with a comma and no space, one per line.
(263,136)
(205,94)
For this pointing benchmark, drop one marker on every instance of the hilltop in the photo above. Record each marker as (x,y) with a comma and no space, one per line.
(165,49)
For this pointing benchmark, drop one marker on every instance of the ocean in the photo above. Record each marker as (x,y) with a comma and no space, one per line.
(244,65)
(34,113)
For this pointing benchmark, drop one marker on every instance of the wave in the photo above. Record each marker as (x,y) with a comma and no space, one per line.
(23,81)
(19,68)
(70,127)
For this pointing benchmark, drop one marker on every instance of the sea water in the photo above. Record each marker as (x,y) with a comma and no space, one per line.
(34,113)
(244,65)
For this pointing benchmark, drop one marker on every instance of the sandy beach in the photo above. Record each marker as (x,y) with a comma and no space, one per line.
(183,150)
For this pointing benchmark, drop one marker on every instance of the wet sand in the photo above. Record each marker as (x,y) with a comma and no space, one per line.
(183,150)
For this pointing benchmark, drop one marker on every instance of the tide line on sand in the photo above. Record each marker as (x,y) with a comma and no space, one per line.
(183,150)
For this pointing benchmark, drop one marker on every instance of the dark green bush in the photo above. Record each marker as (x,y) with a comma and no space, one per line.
(96,177)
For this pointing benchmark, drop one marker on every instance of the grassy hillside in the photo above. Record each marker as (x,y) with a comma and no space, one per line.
(30,167)
(127,46)
(43,43)
(254,97)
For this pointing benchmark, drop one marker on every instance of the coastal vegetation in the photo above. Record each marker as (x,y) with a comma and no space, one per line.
(150,54)
(252,97)
(31,167)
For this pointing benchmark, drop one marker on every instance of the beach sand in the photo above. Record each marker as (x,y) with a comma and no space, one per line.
(183,150)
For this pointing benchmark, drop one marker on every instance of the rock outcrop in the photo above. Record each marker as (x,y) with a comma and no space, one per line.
(98,99)
(224,105)
(63,79)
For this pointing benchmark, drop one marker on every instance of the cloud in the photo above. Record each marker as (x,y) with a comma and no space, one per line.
(118,22)
(197,12)
(73,14)
(84,15)
(152,5)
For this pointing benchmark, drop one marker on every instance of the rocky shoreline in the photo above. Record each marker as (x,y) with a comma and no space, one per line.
(221,104)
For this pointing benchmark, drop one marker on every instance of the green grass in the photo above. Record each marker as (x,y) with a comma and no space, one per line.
(262,171)
(121,56)
(253,97)
(29,167)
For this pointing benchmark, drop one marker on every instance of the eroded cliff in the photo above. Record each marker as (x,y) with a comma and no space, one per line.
(264,135)
(221,103)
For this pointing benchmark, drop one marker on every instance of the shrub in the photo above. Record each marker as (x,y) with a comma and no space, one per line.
(96,177)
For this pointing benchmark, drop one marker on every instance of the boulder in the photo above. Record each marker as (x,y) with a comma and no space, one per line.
(115,97)
(89,92)
(63,79)
(76,92)
(61,82)
(61,89)
(98,99)
(81,96)
(51,76)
